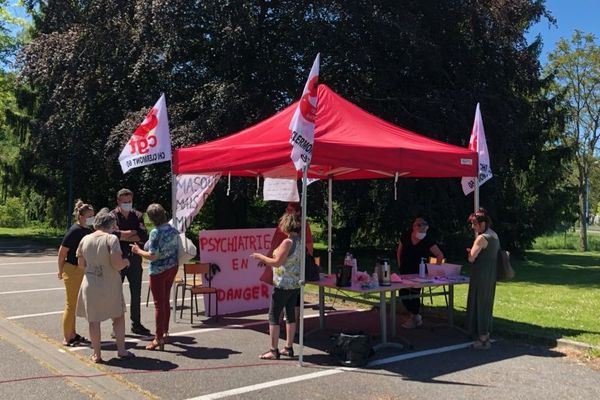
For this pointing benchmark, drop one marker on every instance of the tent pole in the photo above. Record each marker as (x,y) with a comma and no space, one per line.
(329,222)
(302,265)
(476,195)
(174,219)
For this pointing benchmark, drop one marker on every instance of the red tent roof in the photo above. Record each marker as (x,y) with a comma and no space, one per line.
(349,143)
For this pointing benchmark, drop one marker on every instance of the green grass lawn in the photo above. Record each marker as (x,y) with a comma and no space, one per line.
(555,294)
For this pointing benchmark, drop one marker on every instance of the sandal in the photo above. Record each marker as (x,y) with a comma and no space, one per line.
(81,339)
(479,345)
(287,351)
(272,354)
(71,343)
(96,359)
(127,356)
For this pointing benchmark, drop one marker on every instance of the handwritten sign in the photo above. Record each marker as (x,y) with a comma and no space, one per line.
(281,189)
(190,195)
(238,286)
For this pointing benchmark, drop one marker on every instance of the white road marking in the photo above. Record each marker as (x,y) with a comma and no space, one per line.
(48,289)
(25,275)
(207,330)
(53,261)
(61,311)
(259,386)
(320,374)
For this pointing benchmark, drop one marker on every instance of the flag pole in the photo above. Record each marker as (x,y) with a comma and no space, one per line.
(302,264)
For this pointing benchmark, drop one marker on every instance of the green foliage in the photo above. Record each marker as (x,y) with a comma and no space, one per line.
(12,213)
(575,69)
(97,66)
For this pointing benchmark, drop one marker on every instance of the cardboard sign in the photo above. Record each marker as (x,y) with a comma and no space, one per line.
(238,286)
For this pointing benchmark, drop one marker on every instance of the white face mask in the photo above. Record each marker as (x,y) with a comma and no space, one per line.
(420,235)
(89,221)
(126,206)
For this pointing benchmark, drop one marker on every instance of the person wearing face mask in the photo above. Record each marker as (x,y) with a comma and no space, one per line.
(101,293)
(131,229)
(413,246)
(68,271)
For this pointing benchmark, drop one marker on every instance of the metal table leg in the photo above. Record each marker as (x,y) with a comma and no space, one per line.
(393,313)
(451,305)
(321,307)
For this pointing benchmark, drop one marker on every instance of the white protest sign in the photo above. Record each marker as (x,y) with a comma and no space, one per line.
(238,284)
(190,195)
(281,189)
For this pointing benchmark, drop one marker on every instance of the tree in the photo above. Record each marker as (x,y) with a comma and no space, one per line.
(96,66)
(575,67)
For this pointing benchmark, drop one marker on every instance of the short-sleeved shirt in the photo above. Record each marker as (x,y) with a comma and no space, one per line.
(411,255)
(71,241)
(133,222)
(163,243)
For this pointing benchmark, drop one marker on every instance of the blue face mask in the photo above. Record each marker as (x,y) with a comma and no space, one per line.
(126,206)
(89,221)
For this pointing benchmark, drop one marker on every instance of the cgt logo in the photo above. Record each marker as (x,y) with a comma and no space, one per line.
(142,140)
(308,111)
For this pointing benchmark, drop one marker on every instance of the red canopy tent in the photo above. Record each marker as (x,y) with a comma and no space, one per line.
(350,143)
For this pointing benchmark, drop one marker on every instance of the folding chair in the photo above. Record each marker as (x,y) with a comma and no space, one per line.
(197,280)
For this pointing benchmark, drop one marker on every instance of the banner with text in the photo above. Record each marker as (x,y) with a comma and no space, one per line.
(478,143)
(239,288)
(285,189)
(191,193)
(150,143)
(302,124)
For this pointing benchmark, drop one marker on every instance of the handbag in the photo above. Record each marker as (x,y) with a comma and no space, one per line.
(267,275)
(504,270)
(186,250)
(352,349)
(312,271)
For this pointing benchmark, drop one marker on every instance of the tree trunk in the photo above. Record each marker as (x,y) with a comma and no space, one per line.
(583,242)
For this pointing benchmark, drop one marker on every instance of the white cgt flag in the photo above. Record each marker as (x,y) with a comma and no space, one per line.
(150,143)
(477,143)
(303,121)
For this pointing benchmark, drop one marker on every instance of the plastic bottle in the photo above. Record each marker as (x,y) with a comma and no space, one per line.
(374,280)
(385,281)
(354,269)
(422,268)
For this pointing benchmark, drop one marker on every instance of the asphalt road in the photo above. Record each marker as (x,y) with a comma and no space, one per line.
(210,360)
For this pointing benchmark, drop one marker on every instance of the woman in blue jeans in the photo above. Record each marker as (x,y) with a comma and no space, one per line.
(286,281)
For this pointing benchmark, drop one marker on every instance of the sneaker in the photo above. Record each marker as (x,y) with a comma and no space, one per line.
(413,322)
(140,330)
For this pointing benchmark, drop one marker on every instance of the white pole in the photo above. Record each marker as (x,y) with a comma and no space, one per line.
(302,265)
(329,223)
(476,195)
(173,217)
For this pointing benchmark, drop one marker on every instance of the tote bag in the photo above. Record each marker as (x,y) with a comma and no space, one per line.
(186,249)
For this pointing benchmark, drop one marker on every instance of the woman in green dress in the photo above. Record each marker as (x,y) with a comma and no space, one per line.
(482,285)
